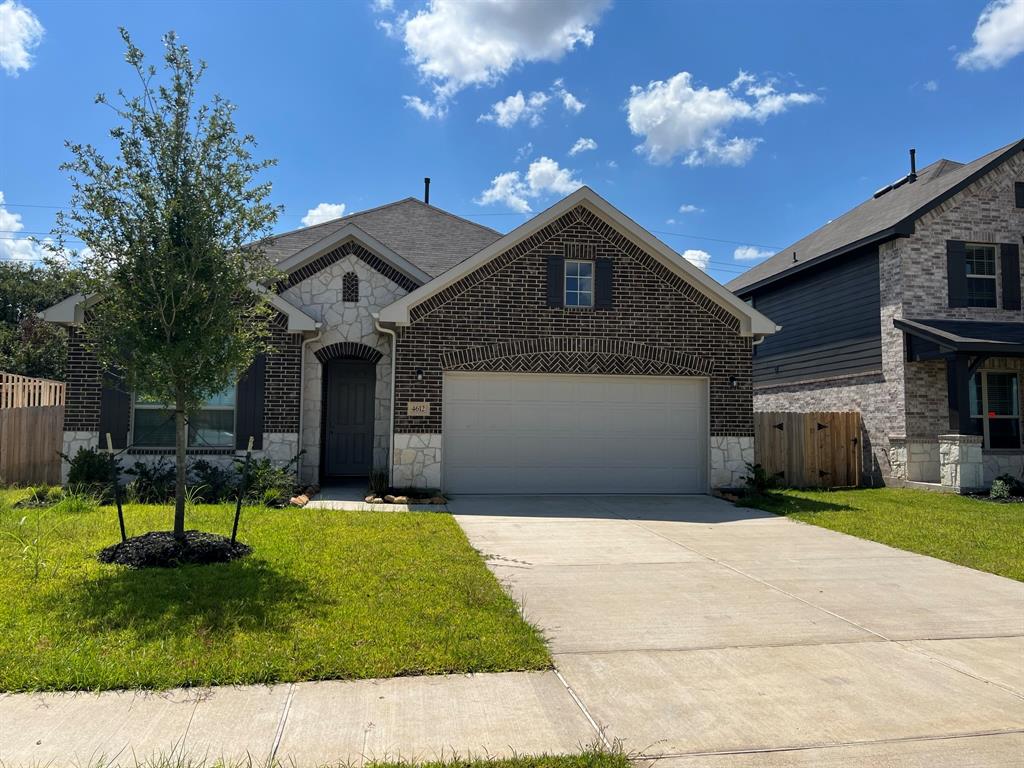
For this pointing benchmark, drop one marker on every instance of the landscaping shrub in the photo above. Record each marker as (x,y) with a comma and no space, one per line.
(92,472)
(153,483)
(757,480)
(215,483)
(264,476)
(378,481)
(1005,487)
(41,496)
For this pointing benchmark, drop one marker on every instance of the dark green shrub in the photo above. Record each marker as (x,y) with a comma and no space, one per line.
(1000,489)
(214,482)
(378,481)
(153,483)
(757,480)
(264,476)
(42,496)
(93,473)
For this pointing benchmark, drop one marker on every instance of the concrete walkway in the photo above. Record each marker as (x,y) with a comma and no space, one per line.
(695,632)
(707,635)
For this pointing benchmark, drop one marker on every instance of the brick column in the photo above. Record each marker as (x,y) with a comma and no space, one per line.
(960,462)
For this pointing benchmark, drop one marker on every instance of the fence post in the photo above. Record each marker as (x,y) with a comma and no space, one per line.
(117,488)
(242,488)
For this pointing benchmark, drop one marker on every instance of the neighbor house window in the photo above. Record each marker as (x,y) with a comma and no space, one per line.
(579,283)
(995,408)
(981,275)
(212,426)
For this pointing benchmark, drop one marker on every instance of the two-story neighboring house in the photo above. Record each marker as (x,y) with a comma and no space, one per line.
(908,309)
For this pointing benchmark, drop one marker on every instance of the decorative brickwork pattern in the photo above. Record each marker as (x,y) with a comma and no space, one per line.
(660,324)
(350,287)
(351,248)
(562,354)
(282,381)
(84,383)
(349,349)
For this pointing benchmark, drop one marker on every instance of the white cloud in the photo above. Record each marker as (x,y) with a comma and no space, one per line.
(698,258)
(583,145)
(750,253)
(382,6)
(612,164)
(998,36)
(427,109)
(688,208)
(20,32)
(516,107)
(570,102)
(13,248)
(457,44)
(524,151)
(931,86)
(543,177)
(323,212)
(675,118)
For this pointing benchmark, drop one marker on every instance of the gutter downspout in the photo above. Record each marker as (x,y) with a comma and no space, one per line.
(391,417)
(302,386)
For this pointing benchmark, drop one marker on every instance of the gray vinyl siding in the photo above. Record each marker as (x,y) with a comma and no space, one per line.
(830,323)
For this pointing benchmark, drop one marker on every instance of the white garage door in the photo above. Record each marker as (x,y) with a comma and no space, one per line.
(533,433)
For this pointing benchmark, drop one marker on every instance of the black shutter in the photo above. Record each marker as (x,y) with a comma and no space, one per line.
(249,405)
(115,412)
(556,281)
(603,297)
(1009,255)
(956,272)
(1018,193)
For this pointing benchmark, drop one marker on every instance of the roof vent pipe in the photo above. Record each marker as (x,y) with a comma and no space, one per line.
(426,190)
(913,166)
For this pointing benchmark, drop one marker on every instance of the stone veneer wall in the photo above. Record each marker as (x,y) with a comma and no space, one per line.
(497,319)
(321,295)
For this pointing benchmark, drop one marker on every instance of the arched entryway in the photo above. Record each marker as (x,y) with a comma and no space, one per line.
(347,406)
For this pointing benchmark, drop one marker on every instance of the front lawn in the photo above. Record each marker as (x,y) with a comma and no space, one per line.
(971,532)
(325,594)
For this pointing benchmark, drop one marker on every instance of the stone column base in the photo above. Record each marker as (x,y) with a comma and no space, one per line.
(730,455)
(961,466)
(73,442)
(898,457)
(417,461)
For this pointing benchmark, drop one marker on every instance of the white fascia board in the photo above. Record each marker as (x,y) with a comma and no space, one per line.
(353,232)
(752,322)
(70,311)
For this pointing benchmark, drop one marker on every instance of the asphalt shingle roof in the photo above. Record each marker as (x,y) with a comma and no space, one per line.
(873,218)
(432,239)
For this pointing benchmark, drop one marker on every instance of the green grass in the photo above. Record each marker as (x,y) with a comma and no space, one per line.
(979,534)
(325,594)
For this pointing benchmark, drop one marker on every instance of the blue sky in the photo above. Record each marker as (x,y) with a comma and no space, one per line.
(717,125)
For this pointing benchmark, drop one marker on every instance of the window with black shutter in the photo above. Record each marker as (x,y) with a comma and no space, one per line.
(1018,193)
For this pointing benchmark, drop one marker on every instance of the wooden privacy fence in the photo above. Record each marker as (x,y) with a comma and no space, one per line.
(26,392)
(809,450)
(31,430)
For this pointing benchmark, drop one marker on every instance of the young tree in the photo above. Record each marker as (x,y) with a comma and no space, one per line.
(166,224)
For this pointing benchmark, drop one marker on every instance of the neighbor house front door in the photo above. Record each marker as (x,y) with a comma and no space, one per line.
(348,418)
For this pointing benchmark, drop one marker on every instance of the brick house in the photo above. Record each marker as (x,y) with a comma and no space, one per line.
(576,353)
(908,309)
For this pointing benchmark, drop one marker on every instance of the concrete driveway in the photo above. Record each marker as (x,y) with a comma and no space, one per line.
(709,635)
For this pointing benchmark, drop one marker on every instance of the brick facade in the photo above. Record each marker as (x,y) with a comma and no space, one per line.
(497,319)
(83,386)
(283,376)
(905,407)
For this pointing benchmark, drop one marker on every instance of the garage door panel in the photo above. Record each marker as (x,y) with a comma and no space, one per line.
(533,433)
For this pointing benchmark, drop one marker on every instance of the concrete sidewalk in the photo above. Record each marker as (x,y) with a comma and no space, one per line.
(307,723)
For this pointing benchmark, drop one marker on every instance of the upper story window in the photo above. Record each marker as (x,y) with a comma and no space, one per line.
(212,426)
(579,283)
(981,275)
(995,408)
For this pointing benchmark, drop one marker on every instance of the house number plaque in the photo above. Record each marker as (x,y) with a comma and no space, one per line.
(417,409)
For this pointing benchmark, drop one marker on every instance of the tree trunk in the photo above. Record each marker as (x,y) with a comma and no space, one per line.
(180,444)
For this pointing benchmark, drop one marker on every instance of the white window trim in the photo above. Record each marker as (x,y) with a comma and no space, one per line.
(992,277)
(565,289)
(985,418)
(136,405)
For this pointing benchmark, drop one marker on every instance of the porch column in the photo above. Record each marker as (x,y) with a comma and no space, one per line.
(961,468)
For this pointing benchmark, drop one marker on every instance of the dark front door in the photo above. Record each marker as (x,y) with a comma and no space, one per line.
(348,418)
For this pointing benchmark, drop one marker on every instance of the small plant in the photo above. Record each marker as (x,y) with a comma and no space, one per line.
(1005,487)
(265,476)
(193,496)
(75,501)
(153,483)
(41,496)
(757,480)
(92,471)
(32,534)
(274,498)
(378,481)
(219,483)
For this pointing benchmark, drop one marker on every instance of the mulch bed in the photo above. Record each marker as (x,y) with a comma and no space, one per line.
(160,549)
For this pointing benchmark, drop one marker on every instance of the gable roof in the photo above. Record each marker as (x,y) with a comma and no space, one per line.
(429,239)
(752,322)
(881,218)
